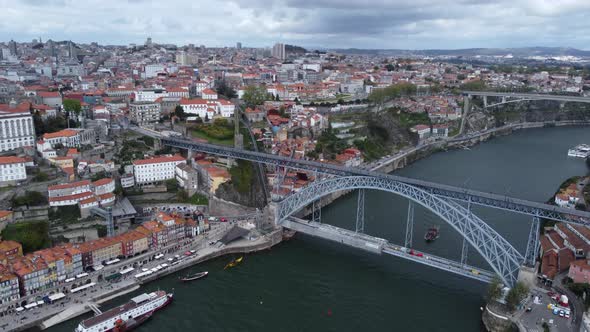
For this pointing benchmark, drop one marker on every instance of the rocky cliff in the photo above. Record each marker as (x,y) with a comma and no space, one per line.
(244,188)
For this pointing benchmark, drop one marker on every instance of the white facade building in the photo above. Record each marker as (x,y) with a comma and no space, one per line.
(70,137)
(144,112)
(202,107)
(16,126)
(156,169)
(145,95)
(153,70)
(12,170)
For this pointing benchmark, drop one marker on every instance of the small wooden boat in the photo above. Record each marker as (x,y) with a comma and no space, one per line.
(194,276)
(234,262)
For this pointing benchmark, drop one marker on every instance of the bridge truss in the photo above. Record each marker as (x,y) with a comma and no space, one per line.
(504,259)
(496,201)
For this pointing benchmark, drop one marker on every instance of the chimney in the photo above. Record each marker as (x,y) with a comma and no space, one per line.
(12,103)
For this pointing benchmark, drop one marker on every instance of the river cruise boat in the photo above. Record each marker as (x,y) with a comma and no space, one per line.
(127,316)
(580,151)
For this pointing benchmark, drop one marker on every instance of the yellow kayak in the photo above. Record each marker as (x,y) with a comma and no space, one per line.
(234,262)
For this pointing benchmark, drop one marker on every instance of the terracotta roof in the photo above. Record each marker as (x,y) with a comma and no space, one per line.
(69,185)
(11,160)
(61,133)
(48,94)
(157,160)
(71,197)
(197,101)
(102,182)
(106,196)
(89,200)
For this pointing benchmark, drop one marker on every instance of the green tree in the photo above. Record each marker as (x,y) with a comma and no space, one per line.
(390,67)
(477,85)
(254,95)
(171,185)
(242,175)
(382,95)
(32,235)
(494,289)
(30,198)
(41,177)
(226,90)
(516,295)
(72,106)
(179,112)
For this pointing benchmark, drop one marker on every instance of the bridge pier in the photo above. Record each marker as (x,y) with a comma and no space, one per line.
(360,212)
(485,101)
(532,248)
(409,225)
(316,212)
(466,108)
(271,216)
(464,251)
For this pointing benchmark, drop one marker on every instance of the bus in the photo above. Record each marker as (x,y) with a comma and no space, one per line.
(143,274)
(111,262)
(82,275)
(127,270)
(81,288)
(70,279)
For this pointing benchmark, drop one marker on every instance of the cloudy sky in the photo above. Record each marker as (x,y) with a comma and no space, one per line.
(405,24)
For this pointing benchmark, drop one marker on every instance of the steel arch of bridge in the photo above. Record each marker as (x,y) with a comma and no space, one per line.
(508,102)
(504,259)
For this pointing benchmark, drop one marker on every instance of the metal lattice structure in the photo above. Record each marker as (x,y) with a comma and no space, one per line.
(504,259)
(360,212)
(532,248)
(492,200)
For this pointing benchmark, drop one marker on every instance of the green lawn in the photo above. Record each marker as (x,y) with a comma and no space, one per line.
(199,134)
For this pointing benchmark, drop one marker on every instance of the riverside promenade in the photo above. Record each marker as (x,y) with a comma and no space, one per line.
(76,304)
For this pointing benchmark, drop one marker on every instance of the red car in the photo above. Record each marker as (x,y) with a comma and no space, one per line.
(419,254)
(223,220)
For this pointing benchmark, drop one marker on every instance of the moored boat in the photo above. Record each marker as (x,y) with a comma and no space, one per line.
(194,276)
(127,316)
(431,234)
(234,262)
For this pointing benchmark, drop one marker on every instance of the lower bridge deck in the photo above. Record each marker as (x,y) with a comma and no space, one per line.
(379,246)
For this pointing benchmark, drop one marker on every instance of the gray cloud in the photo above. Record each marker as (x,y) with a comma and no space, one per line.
(328,23)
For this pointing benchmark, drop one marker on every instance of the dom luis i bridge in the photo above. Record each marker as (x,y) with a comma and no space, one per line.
(452,204)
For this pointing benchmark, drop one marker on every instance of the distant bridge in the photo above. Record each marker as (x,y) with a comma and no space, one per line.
(511,97)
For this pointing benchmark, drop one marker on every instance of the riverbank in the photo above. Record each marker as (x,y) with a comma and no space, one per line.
(80,304)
